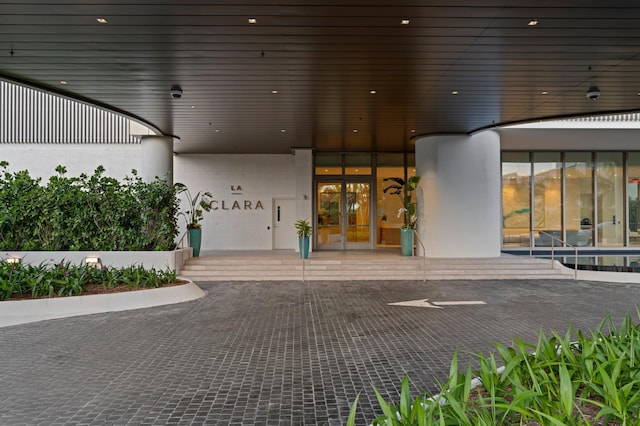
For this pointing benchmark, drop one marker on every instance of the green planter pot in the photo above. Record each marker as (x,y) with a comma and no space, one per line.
(195,239)
(406,241)
(303,245)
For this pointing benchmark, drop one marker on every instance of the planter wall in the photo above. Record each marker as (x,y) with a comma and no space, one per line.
(148,259)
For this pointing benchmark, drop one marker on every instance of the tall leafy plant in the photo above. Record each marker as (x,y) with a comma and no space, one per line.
(404,190)
(87,212)
(197,204)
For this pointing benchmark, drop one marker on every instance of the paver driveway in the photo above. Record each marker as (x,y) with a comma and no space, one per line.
(277,353)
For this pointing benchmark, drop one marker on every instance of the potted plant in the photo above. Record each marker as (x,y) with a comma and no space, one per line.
(201,202)
(404,190)
(303,227)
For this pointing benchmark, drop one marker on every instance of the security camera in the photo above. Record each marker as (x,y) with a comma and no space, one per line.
(176,92)
(593,94)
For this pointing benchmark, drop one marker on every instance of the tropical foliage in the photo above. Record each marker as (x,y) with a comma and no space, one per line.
(197,204)
(404,190)
(85,213)
(592,381)
(66,279)
(303,228)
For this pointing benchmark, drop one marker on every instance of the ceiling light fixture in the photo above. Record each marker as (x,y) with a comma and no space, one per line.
(545,93)
(373,92)
(533,23)
(274,91)
(253,20)
(405,22)
(455,92)
(283,130)
(101,20)
(355,130)
(63,82)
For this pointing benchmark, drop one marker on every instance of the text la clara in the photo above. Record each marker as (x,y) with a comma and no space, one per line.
(237,205)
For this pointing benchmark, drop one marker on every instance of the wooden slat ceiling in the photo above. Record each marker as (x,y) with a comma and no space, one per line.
(324,59)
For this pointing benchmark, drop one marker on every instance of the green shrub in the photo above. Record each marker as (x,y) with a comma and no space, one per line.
(66,279)
(86,213)
(592,381)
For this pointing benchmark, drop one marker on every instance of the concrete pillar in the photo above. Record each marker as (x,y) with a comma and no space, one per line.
(304,185)
(157,158)
(459,199)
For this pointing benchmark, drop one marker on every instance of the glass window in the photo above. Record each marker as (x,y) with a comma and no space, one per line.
(357,164)
(389,203)
(610,200)
(579,196)
(633,192)
(516,196)
(328,164)
(547,197)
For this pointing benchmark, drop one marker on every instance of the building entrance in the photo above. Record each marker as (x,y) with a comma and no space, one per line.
(344,214)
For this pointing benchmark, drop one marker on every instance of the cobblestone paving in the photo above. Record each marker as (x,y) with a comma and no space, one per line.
(275,353)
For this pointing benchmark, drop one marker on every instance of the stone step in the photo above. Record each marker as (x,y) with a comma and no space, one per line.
(379,268)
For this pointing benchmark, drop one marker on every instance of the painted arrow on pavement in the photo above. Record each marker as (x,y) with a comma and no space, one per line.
(424,303)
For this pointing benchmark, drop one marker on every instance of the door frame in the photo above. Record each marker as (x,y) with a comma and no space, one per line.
(343,181)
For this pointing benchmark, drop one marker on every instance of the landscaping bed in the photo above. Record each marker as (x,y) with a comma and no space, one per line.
(558,381)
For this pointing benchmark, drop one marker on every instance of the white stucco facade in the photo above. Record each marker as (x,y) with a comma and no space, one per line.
(41,160)
(459,195)
(244,188)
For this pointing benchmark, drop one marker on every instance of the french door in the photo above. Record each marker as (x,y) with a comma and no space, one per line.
(344,214)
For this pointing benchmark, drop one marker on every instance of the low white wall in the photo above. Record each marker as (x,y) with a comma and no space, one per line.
(569,139)
(42,160)
(149,259)
(27,311)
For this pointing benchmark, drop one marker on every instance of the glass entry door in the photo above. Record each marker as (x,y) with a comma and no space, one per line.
(344,214)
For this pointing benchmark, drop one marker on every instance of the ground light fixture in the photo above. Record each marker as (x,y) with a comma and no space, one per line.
(13,260)
(93,261)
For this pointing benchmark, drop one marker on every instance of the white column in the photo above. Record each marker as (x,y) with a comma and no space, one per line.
(459,199)
(157,158)
(304,185)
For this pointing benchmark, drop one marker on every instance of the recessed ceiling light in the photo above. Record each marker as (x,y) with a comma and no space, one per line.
(455,92)
(355,130)
(405,22)
(373,92)
(533,23)
(274,91)
(413,130)
(283,130)
(193,106)
(253,21)
(63,81)
(101,20)
(545,93)
(217,130)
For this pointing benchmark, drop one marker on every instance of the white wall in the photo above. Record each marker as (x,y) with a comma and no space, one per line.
(570,139)
(459,195)
(42,160)
(261,178)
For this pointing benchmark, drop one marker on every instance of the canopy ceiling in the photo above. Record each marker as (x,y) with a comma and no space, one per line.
(334,76)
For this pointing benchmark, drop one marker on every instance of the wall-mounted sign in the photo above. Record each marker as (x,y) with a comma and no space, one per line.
(236,205)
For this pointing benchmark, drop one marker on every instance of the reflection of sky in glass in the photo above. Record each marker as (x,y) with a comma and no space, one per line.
(518,169)
(542,168)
